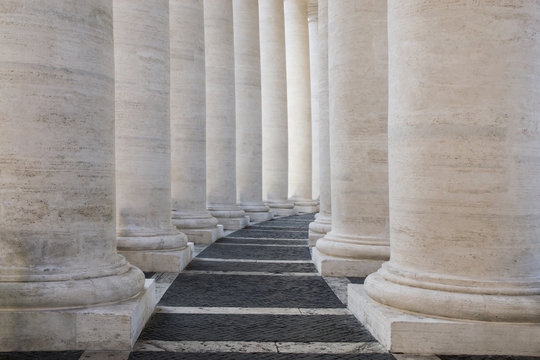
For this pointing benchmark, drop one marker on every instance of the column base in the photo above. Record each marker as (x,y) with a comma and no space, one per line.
(403,332)
(256,217)
(283,212)
(342,267)
(204,236)
(160,260)
(257,212)
(306,206)
(234,223)
(283,208)
(105,327)
(319,228)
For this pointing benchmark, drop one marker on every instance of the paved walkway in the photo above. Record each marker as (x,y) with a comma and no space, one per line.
(252,295)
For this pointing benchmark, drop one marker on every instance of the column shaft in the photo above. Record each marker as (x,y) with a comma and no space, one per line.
(359,240)
(299,104)
(143,160)
(465,163)
(188,123)
(247,62)
(220,115)
(57,218)
(314,71)
(274,107)
(323,223)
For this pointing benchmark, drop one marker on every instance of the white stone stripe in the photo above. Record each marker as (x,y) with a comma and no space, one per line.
(266,347)
(206,272)
(280,230)
(259,261)
(260,238)
(270,245)
(250,311)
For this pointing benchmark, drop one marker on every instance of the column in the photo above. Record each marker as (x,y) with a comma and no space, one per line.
(57,204)
(220,115)
(299,104)
(247,65)
(464,169)
(188,123)
(323,222)
(357,61)
(146,236)
(314,71)
(274,108)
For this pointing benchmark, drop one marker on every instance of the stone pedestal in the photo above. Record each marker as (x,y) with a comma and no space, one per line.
(57,187)
(221,115)
(464,170)
(247,62)
(323,222)
(299,105)
(275,159)
(358,143)
(143,163)
(404,332)
(188,124)
(104,327)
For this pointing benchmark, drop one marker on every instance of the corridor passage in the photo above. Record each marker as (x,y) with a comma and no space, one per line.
(253,294)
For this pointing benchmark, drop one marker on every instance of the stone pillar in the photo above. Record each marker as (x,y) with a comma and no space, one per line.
(357,57)
(146,236)
(464,170)
(323,222)
(57,204)
(299,104)
(220,115)
(314,71)
(188,123)
(247,64)
(274,108)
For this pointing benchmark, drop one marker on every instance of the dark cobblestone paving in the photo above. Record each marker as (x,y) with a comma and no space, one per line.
(41,355)
(356,280)
(277,268)
(149,275)
(254,252)
(233,240)
(272,227)
(284,328)
(270,234)
(254,356)
(250,291)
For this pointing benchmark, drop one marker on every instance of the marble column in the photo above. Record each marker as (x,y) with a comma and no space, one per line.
(247,65)
(146,236)
(57,203)
(358,73)
(323,222)
(188,123)
(299,104)
(221,115)
(314,71)
(274,108)
(464,169)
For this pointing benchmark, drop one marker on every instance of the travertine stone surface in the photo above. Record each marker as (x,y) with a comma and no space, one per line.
(298,104)
(188,123)
(358,130)
(220,115)
(314,71)
(323,221)
(57,206)
(464,162)
(143,161)
(274,107)
(247,62)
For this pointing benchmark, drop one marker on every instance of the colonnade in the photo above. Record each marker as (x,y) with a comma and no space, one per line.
(165,124)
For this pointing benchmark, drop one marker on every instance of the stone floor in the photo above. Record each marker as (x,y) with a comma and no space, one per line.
(252,295)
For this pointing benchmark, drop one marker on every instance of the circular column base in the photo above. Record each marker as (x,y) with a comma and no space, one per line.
(281,208)
(257,212)
(319,228)
(71,289)
(354,247)
(232,217)
(437,295)
(172,241)
(306,205)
